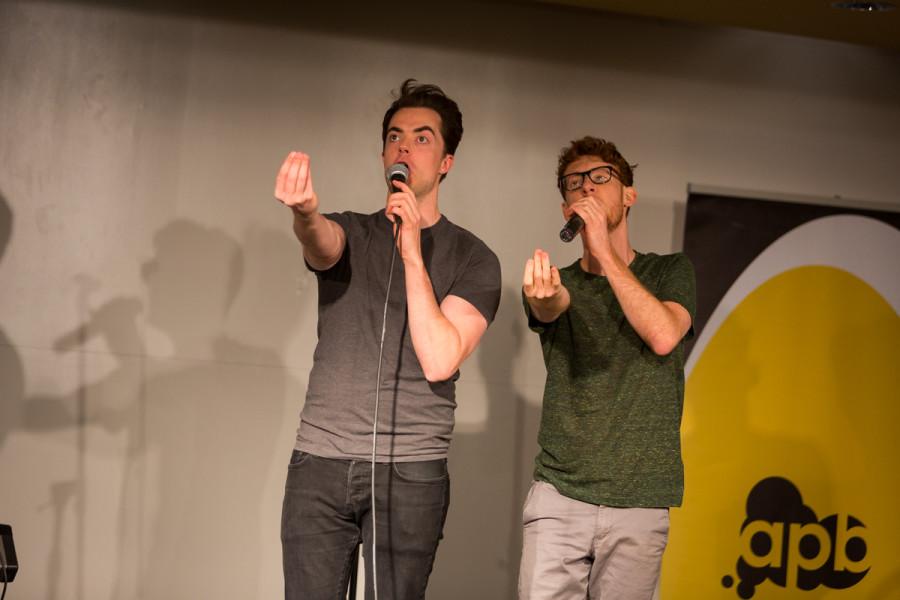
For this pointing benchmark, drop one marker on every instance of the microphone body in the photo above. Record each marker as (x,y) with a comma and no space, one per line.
(571,228)
(397,172)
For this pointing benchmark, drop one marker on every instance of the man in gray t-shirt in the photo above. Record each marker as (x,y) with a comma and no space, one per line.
(395,331)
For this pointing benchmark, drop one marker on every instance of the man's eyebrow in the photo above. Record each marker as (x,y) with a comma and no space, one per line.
(416,130)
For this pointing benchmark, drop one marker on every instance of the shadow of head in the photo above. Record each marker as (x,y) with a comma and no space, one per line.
(193,277)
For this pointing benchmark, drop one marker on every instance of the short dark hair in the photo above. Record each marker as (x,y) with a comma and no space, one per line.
(602,149)
(425,95)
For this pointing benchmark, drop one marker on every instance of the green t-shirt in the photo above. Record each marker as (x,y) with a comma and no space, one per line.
(610,426)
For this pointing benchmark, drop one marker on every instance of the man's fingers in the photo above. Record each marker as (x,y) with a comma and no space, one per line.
(402,186)
(290,182)
(403,203)
(282,175)
(293,184)
(528,278)
(399,209)
(545,268)
(580,209)
(541,279)
(538,271)
(303,175)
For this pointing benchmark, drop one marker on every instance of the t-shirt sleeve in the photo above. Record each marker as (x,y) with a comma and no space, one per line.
(679,284)
(479,283)
(342,219)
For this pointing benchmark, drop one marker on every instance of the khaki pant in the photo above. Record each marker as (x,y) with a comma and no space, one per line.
(575,550)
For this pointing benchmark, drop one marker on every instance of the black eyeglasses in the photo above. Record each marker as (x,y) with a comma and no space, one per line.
(598,175)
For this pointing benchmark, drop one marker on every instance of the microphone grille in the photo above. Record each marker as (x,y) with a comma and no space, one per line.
(397,171)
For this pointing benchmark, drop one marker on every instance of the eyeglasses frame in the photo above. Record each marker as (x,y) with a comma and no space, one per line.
(611,172)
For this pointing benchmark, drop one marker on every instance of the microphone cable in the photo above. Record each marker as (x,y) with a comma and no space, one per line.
(387,298)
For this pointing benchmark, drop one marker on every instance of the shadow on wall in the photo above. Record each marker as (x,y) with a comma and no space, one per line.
(12,377)
(190,437)
(491,471)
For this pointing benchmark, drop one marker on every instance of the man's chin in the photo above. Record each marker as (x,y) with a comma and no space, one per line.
(613,224)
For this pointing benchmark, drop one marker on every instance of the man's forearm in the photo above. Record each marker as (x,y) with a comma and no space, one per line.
(322,239)
(438,344)
(655,322)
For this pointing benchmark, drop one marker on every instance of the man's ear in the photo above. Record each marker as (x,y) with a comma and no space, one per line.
(630,197)
(446,163)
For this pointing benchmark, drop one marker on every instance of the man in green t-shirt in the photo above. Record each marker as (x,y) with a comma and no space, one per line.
(612,326)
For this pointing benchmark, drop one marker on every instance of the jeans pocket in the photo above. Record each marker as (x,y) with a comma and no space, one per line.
(298,457)
(425,471)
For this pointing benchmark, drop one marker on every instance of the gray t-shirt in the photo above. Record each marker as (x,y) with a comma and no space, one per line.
(415,417)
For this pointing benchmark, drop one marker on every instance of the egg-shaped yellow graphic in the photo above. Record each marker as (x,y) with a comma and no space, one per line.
(799,388)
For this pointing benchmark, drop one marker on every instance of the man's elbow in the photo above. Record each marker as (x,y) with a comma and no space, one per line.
(663,340)
(664,344)
(437,374)
(439,370)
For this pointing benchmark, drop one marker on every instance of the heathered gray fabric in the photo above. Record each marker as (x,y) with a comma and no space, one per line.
(612,408)
(415,417)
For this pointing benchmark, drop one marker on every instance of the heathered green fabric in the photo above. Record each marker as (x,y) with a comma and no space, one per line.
(610,426)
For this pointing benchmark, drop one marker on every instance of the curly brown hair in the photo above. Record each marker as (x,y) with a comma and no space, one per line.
(602,149)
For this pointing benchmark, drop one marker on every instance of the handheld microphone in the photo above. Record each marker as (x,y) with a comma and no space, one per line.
(396,172)
(571,228)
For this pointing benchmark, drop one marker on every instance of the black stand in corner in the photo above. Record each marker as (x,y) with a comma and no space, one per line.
(9,564)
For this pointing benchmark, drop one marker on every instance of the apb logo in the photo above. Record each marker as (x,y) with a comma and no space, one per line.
(783,541)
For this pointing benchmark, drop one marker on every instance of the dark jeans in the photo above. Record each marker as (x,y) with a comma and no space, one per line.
(327,513)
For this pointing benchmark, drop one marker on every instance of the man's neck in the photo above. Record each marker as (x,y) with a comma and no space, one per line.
(428,209)
(621,248)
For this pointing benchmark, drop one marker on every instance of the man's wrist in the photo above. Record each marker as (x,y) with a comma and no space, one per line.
(413,263)
(547,303)
(604,253)
(304,218)
(544,312)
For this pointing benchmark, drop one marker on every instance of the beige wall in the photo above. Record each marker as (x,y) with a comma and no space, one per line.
(156,322)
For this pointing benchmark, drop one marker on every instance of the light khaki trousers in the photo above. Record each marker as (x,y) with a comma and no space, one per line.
(575,550)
